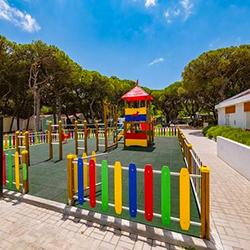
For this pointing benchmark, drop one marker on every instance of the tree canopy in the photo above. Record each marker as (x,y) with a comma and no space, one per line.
(38,77)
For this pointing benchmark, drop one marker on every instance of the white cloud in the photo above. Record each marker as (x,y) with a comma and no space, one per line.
(18,17)
(187,6)
(150,3)
(183,9)
(155,61)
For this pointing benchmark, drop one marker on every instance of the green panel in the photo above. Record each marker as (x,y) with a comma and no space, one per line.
(10,174)
(105,184)
(10,141)
(24,172)
(165,195)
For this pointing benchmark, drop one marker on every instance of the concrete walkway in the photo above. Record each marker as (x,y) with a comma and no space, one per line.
(24,226)
(230,194)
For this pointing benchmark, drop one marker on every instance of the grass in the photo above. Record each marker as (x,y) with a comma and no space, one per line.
(48,179)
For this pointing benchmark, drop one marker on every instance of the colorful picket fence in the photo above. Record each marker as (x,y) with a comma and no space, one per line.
(15,171)
(38,138)
(165,131)
(78,168)
(9,141)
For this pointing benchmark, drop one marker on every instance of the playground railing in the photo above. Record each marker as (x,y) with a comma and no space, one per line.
(15,171)
(80,169)
(194,166)
(165,131)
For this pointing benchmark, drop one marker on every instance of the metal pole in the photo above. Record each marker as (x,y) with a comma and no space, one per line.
(1,157)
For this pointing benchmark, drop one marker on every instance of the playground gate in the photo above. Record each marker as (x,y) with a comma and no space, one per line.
(87,170)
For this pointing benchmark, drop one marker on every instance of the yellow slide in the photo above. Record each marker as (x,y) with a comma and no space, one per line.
(120,135)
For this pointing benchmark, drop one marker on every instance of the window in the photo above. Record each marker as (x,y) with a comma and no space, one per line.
(230,109)
(247,107)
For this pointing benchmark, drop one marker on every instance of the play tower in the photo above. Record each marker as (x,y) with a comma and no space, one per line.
(138,125)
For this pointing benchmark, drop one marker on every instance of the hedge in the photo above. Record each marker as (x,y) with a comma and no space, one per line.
(235,134)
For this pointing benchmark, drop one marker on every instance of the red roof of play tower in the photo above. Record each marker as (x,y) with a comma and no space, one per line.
(137,94)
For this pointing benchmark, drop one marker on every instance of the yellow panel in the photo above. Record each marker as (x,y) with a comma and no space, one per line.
(93,156)
(85,171)
(134,111)
(17,171)
(75,177)
(118,187)
(184,199)
(136,142)
(5,142)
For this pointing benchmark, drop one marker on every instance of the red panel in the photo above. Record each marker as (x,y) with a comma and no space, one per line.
(92,182)
(148,195)
(136,136)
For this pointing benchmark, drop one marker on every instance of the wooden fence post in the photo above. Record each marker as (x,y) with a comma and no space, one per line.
(50,140)
(205,203)
(76,137)
(97,135)
(60,140)
(85,136)
(27,145)
(189,158)
(25,166)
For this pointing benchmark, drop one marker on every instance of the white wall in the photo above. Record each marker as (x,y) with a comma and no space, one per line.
(221,116)
(235,155)
(237,119)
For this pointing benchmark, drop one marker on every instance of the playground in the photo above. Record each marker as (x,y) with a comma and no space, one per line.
(134,171)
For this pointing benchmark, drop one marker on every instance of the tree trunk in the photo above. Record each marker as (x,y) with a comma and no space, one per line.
(91,110)
(18,122)
(28,124)
(54,118)
(59,108)
(11,124)
(37,106)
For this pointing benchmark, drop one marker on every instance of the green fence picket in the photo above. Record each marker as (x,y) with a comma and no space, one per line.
(10,141)
(165,195)
(104,173)
(10,174)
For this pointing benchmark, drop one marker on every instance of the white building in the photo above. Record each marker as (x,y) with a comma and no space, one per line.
(235,111)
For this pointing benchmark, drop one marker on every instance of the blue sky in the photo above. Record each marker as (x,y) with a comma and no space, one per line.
(149,40)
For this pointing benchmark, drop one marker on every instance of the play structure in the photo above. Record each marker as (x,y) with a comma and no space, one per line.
(138,125)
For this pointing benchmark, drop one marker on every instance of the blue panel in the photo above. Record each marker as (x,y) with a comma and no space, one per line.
(80,181)
(133,118)
(132,190)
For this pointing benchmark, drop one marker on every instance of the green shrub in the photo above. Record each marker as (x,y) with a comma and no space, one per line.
(235,134)
(204,130)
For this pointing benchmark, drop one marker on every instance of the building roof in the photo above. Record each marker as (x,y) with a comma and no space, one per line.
(240,98)
(137,94)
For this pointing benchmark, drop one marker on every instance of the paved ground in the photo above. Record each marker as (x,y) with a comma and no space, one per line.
(230,195)
(23,226)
